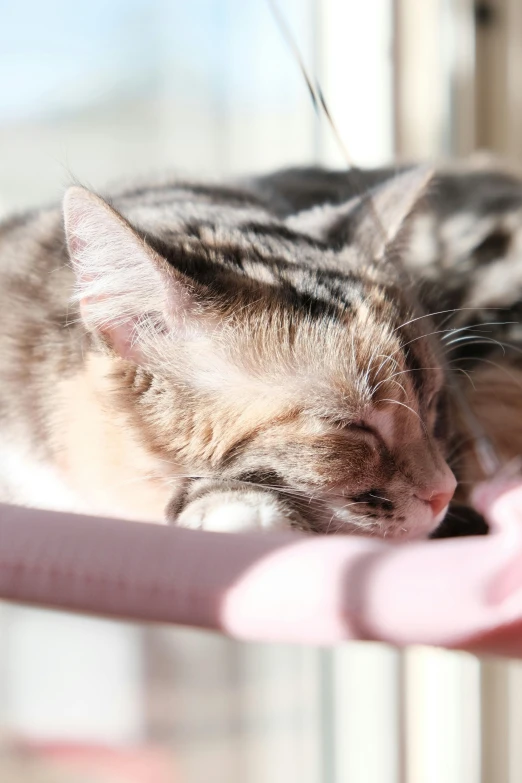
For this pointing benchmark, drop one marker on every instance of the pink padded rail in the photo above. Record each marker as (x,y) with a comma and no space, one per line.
(464,593)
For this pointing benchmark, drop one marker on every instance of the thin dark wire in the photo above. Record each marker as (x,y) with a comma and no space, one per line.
(285,31)
(321,108)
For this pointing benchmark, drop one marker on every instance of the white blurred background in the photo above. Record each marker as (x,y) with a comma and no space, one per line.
(108,89)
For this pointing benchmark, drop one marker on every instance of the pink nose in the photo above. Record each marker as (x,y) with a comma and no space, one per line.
(438,498)
(439,501)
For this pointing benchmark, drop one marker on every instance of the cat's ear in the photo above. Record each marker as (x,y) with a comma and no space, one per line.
(373,220)
(124,287)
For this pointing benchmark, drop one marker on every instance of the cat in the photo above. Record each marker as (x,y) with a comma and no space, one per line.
(258,353)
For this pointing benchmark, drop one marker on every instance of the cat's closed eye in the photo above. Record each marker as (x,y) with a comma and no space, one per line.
(353,427)
(361,426)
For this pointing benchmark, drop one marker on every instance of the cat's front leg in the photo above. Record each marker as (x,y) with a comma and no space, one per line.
(219,507)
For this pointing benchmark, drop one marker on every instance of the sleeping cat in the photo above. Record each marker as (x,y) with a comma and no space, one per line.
(254,354)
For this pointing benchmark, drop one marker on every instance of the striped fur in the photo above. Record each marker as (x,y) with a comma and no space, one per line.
(253,352)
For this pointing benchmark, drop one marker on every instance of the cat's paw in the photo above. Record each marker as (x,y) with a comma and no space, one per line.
(229,512)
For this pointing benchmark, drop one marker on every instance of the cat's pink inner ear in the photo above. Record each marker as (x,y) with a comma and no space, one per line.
(119,279)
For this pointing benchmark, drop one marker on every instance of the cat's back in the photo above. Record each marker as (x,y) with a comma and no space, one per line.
(460,186)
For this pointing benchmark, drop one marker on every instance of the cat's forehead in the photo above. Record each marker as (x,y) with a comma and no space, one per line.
(297,316)
(336,360)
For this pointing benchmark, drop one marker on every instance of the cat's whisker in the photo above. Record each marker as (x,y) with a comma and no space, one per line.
(449,332)
(379,497)
(468,376)
(477,328)
(397,383)
(431,315)
(330,523)
(349,505)
(473,340)
(496,365)
(450,311)
(402,346)
(402,372)
(509,345)
(336,515)
(424,336)
(484,361)
(385,359)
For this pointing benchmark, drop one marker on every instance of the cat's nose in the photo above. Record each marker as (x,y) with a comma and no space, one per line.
(439,497)
(439,502)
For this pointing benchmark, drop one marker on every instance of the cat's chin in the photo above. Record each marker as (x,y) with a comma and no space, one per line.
(420,531)
(418,526)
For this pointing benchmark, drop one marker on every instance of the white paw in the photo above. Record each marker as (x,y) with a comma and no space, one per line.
(230,512)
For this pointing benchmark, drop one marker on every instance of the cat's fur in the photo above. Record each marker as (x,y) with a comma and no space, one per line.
(251,353)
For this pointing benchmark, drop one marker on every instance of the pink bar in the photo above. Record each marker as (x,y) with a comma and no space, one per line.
(149,572)
(464,593)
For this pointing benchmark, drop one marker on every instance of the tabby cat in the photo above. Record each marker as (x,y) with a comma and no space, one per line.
(261,353)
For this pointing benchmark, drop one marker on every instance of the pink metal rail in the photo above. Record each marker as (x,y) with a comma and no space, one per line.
(460,593)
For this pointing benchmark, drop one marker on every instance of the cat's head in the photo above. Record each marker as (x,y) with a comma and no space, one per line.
(281,354)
